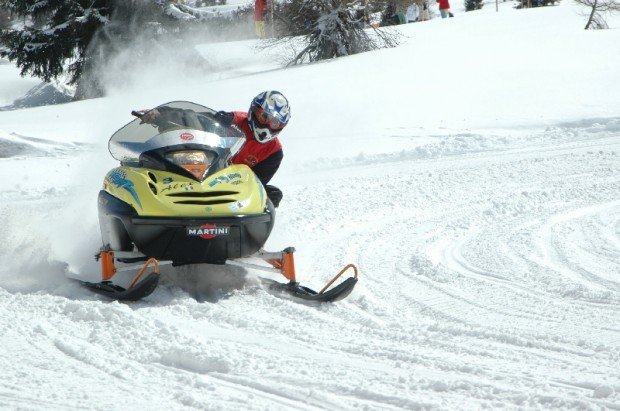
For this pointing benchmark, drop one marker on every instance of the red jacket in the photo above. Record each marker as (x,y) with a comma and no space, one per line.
(260,6)
(443,4)
(254,153)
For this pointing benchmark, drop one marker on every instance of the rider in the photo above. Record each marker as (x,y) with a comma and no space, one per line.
(269,113)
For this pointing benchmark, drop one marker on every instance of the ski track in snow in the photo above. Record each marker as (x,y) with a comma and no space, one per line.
(13,145)
(489,278)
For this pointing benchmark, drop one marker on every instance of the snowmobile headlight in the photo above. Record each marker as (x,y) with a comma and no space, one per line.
(196,162)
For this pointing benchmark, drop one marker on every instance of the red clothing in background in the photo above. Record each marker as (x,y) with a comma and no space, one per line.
(260,6)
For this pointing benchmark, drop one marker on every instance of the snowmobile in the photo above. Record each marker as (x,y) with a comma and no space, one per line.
(177,198)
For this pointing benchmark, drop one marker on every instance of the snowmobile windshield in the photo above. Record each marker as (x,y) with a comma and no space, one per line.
(176,124)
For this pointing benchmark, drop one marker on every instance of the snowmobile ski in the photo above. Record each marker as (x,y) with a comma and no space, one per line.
(108,289)
(283,263)
(293,288)
(138,288)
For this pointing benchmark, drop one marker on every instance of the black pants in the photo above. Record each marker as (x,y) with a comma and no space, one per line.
(274,194)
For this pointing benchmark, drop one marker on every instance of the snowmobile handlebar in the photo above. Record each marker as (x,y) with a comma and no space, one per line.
(147,118)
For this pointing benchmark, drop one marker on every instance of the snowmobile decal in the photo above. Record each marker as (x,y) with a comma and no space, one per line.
(251,160)
(178,186)
(238,205)
(119,179)
(224,179)
(208,231)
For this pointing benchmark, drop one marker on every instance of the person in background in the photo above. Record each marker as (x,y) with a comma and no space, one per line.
(394,13)
(260,9)
(444,9)
(413,12)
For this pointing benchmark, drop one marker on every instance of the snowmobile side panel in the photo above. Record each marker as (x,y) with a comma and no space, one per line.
(113,214)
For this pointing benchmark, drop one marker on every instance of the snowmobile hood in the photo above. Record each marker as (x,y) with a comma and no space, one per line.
(233,191)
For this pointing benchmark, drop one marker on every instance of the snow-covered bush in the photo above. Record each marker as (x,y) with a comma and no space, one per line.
(329,28)
(471,5)
(229,24)
(524,4)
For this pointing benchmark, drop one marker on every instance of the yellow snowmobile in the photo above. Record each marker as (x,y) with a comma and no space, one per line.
(177,198)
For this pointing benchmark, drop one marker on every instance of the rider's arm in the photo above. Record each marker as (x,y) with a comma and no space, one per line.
(266,169)
(159,117)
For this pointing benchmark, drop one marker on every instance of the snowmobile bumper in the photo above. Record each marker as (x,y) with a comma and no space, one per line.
(193,241)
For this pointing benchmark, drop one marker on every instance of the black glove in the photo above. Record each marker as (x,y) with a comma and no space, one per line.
(274,194)
(225,118)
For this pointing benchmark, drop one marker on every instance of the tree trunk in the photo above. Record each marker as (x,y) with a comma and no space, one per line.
(591,18)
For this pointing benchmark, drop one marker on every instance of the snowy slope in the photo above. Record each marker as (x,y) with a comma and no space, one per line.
(471,173)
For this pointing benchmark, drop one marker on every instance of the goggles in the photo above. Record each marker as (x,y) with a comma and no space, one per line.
(267,119)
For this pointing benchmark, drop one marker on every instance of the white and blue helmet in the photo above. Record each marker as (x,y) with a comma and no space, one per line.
(268,114)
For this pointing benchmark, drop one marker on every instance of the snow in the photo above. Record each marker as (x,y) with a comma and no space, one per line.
(11,85)
(206,12)
(471,173)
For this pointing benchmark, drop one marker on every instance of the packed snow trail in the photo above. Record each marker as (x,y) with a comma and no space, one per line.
(489,276)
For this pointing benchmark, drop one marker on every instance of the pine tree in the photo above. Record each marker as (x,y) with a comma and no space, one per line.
(69,37)
(56,32)
(5,18)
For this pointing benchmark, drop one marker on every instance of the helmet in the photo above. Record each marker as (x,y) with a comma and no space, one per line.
(268,114)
